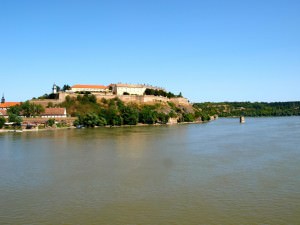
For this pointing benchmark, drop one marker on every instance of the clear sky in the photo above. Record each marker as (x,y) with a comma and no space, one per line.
(212,50)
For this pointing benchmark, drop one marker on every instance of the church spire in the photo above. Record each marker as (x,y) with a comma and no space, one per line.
(54,89)
(3,99)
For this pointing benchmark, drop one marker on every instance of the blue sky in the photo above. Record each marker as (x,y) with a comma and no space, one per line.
(213,50)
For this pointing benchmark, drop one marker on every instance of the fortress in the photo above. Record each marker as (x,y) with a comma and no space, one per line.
(115,89)
(125,92)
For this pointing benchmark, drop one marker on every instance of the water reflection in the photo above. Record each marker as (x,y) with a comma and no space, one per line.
(216,173)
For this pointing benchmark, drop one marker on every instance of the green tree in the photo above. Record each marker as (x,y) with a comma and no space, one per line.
(88,120)
(30,109)
(66,87)
(163,118)
(15,119)
(130,115)
(188,117)
(14,110)
(113,116)
(148,115)
(50,122)
(2,121)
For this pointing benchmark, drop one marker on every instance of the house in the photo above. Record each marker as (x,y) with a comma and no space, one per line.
(89,88)
(54,113)
(5,105)
(3,113)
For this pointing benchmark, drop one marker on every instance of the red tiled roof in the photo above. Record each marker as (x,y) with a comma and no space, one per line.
(9,104)
(3,112)
(54,111)
(89,86)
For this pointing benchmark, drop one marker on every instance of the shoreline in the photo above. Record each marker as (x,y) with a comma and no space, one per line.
(73,127)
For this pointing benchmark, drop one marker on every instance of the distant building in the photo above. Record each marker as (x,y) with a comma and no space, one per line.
(131,89)
(116,89)
(54,113)
(89,88)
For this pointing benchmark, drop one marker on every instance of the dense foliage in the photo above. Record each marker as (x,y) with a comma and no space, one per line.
(255,109)
(2,121)
(48,96)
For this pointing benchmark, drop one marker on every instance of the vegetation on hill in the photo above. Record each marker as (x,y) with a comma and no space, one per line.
(163,93)
(48,96)
(115,112)
(52,95)
(255,109)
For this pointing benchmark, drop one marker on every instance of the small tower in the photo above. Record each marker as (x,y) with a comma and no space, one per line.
(242,119)
(2,99)
(54,89)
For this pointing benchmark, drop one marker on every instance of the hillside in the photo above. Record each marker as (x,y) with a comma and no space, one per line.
(92,111)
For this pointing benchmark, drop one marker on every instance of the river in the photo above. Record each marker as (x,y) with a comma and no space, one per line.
(218,173)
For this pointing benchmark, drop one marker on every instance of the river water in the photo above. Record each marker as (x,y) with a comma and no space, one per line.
(221,172)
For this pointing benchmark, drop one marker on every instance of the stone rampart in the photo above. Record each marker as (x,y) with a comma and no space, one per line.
(45,102)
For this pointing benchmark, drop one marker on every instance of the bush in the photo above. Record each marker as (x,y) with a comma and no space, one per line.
(51,122)
(188,117)
(148,115)
(89,120)
(15,118)
(163,118)
(130,115)
(205,117)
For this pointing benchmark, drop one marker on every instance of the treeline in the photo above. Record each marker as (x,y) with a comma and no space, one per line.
(114,112)
(251,109)
(160,92)
(52,95)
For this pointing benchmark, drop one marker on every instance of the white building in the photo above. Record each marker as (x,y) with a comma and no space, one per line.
(131,89)
(89,88)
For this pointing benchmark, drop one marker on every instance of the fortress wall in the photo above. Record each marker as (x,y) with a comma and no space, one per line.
(180,101)
(132,98)
(151,99)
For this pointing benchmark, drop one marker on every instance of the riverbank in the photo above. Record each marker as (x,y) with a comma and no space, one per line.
(33,130)
(73,127)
